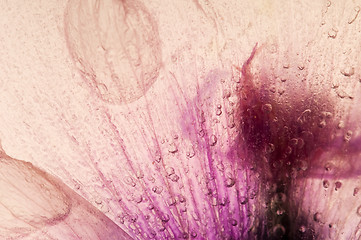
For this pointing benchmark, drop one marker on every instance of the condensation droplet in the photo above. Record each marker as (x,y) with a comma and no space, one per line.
(172,201)
(355,191)
(218,112)
(322,124)
(185,235)
(267,108)
(181,199)
(326,183)
(158,157)
(233,222)
(243,200)
(337,185)
(169,171)
(328,167)
(165,218)
(231,123)
(280,197)
(332,33)
(193,234)
(303,165)
(130,181)
(340,125)
(302,229)
(305,116)
(348,71)
(213,140)
(157,190)
(230,181)
(348,136)
(270,148)
(359,211)
(317,217)
(272,89)
(279,231)
(140,174)
(172,148)
(174,178)
(353,15)
(190,153)
(280,212)
(201,133)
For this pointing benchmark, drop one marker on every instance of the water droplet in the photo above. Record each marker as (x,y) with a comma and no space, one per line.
(288,150)
(305,116)
(138,198)
(243,200)
(158,157)
(322,124)
(233,222)
(172,148)
(359,211)
(214,201)
(317,217)
(303,165)
(328,167)
(281,91)
(151,179)
(157,190)
(348,71)
(181,199)
(353,15)
(326,183)
(280,212)
(98,201)
(302,229)
(139,174)
(337,185)
(172,201)
(340,125)
(230,181)
(269,148)
(294,142)
(355,191)
(102,88)
(348,136)
(213,140)
(185,235)
(231,123)
(280,197)
(193,234)
(272,89)
(130,181)
(201,133)
(174,178)
(332,33)
(220,166)
(279,231)
(267,108)
(219,112)
(223,201)
(165,218)
(169,171)
(190,153)
(133,218)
